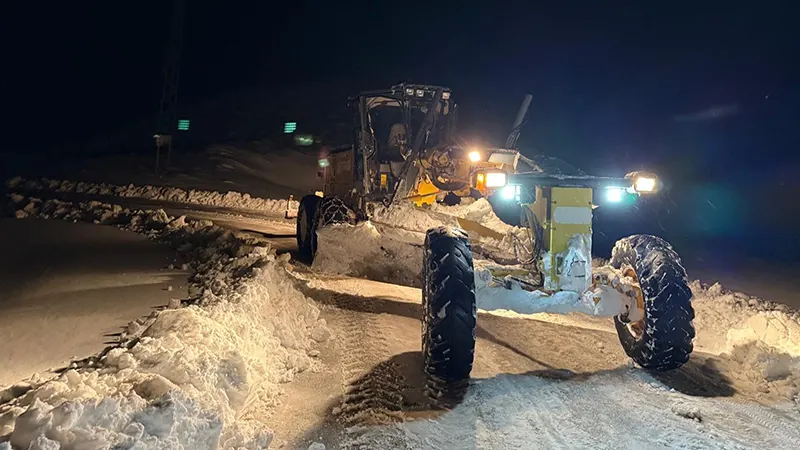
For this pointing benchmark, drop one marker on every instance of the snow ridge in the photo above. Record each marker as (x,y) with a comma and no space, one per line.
(230,199)
(184,377)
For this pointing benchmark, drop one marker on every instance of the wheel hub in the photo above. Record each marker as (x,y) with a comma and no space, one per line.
(635,327)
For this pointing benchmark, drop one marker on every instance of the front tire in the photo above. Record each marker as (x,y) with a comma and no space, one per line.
(449,311)
(663,339)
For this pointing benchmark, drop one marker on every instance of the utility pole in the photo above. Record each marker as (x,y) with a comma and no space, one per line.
(165,128)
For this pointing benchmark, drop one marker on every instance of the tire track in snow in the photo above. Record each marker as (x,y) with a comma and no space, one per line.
(372,387)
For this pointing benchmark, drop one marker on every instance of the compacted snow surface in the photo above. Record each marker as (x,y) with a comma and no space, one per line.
(625,408)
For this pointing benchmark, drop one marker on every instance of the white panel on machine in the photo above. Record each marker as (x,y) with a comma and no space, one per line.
(573,215)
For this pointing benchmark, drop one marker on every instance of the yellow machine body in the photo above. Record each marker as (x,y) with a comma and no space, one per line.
(563,212)
(473,174)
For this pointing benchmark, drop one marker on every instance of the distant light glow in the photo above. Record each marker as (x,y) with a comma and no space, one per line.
(324,162)
(303,139)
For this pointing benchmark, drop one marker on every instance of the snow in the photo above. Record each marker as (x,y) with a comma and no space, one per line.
(589,411)
(479,211)
(389,247)
(603,301)
(230,199)
(576,265)
(183,378)
(498,241)
(371,251)
(763,337)
(757,337)
(228,354)
(729,319)
(173,422)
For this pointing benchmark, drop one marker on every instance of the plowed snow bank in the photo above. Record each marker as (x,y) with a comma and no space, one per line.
(184,377)
(730,319)
(762,336)
(230,199)
(389,248)
(501,245)
(368,250)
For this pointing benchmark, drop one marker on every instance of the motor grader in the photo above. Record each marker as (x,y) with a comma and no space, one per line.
(643,288)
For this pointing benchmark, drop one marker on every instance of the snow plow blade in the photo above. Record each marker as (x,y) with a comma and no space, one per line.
(474,227)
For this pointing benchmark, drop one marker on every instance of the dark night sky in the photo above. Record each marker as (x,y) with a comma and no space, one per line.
(608,78)
(706,93)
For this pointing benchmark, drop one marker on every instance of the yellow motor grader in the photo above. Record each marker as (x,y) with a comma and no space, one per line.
(403,151)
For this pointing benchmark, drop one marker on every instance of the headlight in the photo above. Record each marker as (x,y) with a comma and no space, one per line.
(474,156)
(409,91)
(615,195)
(420,92)
(495,179)
(445,95)
(511,192)
(644,184)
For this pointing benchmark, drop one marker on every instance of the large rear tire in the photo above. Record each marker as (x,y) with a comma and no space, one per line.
(663,339)
(449,311)
(305,226)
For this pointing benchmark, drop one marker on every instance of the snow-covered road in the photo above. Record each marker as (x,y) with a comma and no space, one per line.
(538,382)
(66,289)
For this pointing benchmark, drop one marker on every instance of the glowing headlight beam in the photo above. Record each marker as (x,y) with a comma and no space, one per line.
(495,179)
(474,156)
(644,184)
(615,195)
(511,192)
